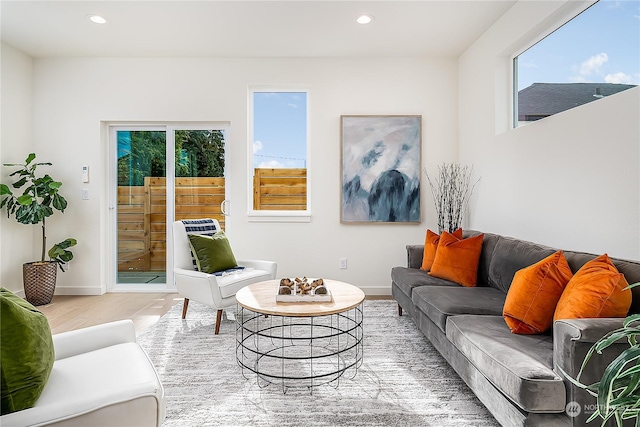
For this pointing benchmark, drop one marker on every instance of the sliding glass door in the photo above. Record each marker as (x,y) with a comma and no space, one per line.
(162,173)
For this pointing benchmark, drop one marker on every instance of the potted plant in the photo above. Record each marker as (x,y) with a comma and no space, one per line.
(39,197)
(618,391)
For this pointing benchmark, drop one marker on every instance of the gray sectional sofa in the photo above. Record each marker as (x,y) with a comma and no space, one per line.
(515,376)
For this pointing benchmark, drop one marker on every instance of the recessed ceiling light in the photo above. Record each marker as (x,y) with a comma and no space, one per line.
(97,19)
(364,19)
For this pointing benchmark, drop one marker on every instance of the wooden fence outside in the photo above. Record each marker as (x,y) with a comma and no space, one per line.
(142,217)
(142,244)
(280,189)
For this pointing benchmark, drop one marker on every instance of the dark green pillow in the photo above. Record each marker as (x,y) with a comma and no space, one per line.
(213,253)
(26,352)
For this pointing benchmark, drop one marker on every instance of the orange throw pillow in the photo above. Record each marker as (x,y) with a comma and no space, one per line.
(457,259)
(534,295)
(596,290)
(431,246)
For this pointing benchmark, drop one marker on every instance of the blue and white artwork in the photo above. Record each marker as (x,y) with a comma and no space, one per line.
(381,158)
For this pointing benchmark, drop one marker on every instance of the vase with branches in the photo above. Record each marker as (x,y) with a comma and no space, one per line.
(451,190)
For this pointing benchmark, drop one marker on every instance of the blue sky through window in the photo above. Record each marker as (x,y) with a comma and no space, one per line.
(600,45)
(279,129)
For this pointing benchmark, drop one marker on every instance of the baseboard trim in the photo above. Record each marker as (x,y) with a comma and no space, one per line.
(78,290)
(376,290)
(97,290)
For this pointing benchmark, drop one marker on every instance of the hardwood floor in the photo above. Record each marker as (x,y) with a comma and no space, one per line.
(69,312)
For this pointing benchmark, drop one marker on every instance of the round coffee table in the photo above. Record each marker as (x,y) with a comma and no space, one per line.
(299,344)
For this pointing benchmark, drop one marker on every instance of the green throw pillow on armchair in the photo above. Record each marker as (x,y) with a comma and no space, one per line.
(212,253)
(26,352)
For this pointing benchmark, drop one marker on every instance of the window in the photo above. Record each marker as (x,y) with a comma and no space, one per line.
(594,55)
(278,142)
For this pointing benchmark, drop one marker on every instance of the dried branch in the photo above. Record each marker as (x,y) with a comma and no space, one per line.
(451,191)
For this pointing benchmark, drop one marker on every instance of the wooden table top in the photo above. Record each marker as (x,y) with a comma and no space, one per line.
(261,298)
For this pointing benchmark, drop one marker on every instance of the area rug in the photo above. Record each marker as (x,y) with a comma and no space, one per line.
(403,380)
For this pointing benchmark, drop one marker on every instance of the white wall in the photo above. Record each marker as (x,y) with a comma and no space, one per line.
(73,96)
(15,120)
(570,181)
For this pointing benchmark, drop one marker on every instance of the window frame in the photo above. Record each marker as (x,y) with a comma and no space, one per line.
(557,20)
(276,215)
(170,128)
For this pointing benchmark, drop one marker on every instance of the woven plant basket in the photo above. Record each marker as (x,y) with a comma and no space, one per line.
(39,279)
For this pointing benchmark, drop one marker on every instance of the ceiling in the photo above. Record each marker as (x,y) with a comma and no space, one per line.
(241,28)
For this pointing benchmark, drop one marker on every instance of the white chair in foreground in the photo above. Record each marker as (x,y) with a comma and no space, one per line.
(100,377)
(216,291)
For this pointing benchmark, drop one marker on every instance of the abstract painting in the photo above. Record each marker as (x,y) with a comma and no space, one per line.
(381,158)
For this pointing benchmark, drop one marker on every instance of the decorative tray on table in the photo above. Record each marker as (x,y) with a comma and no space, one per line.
(302,290)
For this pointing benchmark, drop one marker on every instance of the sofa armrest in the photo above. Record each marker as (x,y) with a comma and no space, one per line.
(571,334)
(572,339)
(72,343)
(415,253)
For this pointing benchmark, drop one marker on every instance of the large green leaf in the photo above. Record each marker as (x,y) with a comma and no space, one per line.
(4,190)
(66,256)
(631,319)
(25,199)
(20,182)
(59,202)
(60,254)
(67,243)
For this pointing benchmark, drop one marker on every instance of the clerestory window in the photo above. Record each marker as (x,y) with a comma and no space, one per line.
(594,55)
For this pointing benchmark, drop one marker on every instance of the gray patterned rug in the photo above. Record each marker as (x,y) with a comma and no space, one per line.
(403,381)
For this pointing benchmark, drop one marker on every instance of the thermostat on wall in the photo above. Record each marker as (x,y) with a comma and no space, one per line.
(85,173)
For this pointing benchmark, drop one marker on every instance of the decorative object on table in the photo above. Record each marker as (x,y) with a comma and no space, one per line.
(301,289)
(618,392)
(36,203)
(381,157)
(451,191)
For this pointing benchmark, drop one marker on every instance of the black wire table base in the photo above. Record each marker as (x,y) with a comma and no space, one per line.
(304,351)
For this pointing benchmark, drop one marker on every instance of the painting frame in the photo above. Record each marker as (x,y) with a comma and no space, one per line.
(381,169)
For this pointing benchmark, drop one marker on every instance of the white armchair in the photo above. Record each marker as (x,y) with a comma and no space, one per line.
(100,377)
(218,292)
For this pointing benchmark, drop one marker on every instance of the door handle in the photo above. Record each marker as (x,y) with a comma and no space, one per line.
(224,207)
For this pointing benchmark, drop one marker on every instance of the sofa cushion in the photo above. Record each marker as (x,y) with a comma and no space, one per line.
(489,242)
(438,302)
(534,294)
(431,247)
(511,255)
(26,352)
(521,366)
(407,279)
(457,259)
(630,269)
(596,290)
